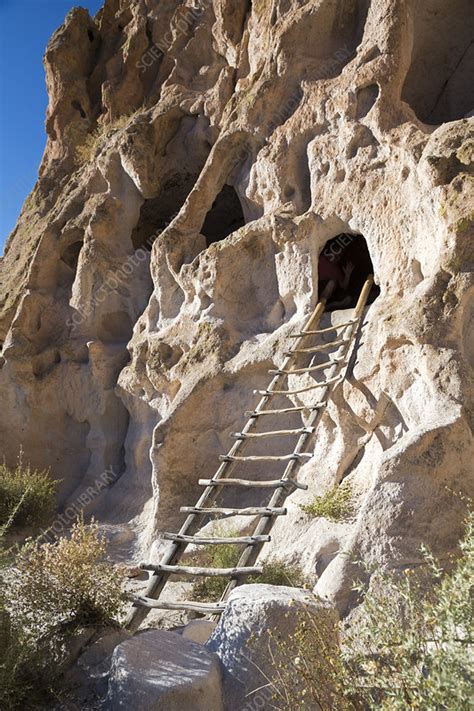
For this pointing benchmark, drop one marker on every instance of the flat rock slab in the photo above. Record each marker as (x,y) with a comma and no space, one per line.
(163,671)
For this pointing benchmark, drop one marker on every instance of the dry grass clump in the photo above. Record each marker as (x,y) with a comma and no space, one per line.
(335,505)
(96,140)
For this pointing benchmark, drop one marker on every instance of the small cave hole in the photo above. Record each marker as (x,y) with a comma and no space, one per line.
(169,355)
(366,98)
(70,255)
(345,259)
(157,213)
(224,217)
(77,105)
(90,34)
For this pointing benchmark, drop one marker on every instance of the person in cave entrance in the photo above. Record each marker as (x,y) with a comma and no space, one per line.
(332,267)
(346,260)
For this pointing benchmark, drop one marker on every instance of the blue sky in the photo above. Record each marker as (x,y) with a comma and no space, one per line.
(25,28)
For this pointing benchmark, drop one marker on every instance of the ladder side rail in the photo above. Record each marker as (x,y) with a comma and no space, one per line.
(158,580)
(264,525)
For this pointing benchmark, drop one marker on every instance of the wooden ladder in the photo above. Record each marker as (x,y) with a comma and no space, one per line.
(285,484)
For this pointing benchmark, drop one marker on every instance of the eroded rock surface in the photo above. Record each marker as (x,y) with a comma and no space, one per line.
(163,671)
(248,640)
(199,157)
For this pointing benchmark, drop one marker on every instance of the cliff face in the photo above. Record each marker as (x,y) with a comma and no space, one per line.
(199,157)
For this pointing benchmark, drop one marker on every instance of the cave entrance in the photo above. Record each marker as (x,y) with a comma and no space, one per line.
(224,217)
(157,213)
(346,260)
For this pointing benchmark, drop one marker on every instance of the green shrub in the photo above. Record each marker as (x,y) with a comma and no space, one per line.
(275,572)
(52,591)
(413,645)
(27,497)
(335,505)
(221,556)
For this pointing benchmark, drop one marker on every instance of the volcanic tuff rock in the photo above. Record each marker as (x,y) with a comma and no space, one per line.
(162,671)
(250,655)
(199,157)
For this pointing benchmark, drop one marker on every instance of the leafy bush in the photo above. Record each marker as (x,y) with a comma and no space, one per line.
(335,505)
(221,556)
(52,591)
(27,497)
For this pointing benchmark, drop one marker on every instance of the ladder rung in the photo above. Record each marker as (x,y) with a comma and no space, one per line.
(263,514)
(203,607)
(201,541)
(324,330)
(310,369)
(316,349)
(270,484)
(273,433)
(284,410)
(252,511)
(205,572)
(301,390)
(265,457)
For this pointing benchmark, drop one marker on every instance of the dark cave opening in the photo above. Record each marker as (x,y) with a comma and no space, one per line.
(158,212)
(70,254)
(224,217)
(346,260)
(69,259)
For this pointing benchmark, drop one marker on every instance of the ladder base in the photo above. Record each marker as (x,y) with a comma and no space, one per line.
(205,608)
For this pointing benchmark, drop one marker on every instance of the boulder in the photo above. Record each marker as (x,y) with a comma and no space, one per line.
(199,630)
(86,681)
(245,639)
(163,671)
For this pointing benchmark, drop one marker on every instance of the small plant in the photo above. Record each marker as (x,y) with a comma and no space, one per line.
(96,140)
(278,572)
(27,497)
(309,672)
(275,572)
(221,556)
(50,592)
(335,505)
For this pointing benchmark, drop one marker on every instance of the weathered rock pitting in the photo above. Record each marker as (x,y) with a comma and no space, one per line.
(198,160)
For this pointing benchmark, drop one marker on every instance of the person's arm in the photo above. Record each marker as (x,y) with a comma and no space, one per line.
(347,271)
